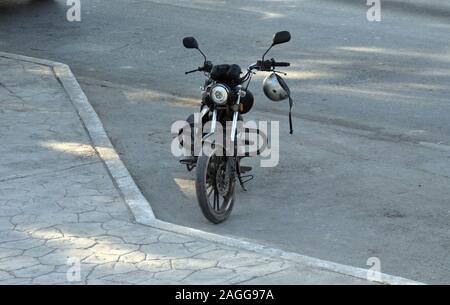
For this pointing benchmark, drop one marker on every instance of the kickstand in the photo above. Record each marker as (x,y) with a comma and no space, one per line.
(243,179)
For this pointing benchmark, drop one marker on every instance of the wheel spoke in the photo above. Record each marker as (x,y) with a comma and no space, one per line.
(216,200)
(212,189)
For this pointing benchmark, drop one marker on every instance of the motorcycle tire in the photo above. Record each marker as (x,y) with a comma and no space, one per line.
(210,179)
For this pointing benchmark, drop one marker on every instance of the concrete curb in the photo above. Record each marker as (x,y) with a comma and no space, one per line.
(122,179)
(140,207)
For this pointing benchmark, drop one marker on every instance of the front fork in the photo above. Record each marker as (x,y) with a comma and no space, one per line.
(235,108)
(238,169)
(233,162)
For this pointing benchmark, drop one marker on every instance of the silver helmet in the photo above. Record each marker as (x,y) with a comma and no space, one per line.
(275,88)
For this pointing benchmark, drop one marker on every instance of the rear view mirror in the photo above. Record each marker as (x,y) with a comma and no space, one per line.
(190,43)
(281,37)
(278,38)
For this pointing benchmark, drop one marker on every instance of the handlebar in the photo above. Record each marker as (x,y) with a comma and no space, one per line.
(192,71)
(281,64)
(207,66)
(268,64)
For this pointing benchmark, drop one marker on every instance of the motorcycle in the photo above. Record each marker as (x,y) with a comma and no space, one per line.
(225,97)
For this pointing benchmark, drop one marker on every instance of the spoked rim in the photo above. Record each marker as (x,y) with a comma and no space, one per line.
(219,193)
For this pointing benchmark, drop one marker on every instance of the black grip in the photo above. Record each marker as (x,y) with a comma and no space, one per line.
(196,70)
(281,64)
(192,71)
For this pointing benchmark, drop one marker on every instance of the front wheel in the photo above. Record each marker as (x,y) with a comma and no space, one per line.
(214,186)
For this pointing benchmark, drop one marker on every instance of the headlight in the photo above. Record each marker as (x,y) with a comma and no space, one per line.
(219,94)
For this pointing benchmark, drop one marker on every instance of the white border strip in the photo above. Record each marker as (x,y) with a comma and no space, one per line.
(141,208)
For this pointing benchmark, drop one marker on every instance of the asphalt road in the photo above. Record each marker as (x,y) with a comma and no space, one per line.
(353,181)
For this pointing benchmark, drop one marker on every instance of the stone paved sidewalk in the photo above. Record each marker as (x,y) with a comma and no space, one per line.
(57,201)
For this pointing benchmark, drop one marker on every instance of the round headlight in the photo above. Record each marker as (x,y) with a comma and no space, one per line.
(219,94)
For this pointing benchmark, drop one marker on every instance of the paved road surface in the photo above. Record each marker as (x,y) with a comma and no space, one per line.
(60,208)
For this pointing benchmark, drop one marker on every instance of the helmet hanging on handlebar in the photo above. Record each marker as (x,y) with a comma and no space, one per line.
(276,89)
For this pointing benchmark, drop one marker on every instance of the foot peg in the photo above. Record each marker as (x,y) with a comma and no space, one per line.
(190,163)
(245,169)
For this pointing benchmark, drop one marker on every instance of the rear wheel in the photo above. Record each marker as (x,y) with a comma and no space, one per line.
(214,186)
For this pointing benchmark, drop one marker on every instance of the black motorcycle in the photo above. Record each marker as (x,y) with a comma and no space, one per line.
(225,97)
